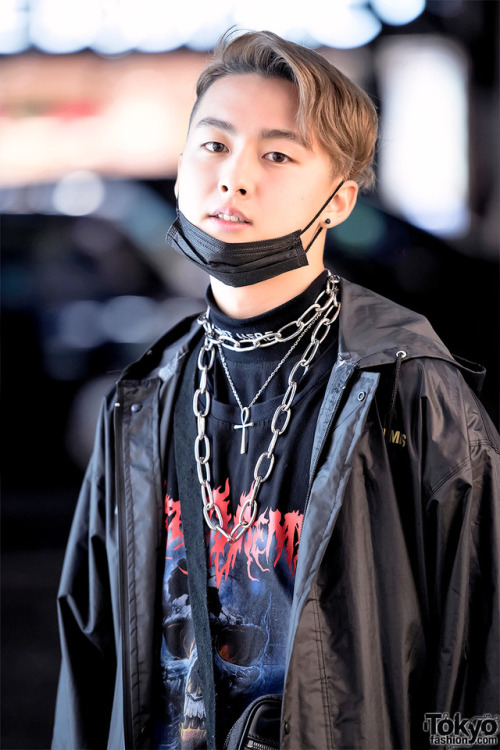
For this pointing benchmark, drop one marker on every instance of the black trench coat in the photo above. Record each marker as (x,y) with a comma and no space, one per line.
(396,604)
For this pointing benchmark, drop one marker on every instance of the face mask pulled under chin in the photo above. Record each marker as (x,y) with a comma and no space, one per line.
(240,263)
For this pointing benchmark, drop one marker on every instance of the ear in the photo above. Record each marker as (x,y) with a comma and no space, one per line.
(341,205)
(176,186)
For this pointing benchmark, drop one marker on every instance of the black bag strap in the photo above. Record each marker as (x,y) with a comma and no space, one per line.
(194,537)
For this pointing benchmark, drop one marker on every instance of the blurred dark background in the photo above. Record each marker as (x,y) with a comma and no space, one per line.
(92,118)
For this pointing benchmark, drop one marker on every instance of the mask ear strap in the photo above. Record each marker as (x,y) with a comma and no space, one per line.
(325,204)
(318,231)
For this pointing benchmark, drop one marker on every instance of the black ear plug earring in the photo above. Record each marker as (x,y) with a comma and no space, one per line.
(328,221)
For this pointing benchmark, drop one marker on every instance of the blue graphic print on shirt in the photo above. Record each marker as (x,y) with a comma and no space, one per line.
(250,592)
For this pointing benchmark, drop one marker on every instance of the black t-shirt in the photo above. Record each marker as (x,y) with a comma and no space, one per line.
(251,580)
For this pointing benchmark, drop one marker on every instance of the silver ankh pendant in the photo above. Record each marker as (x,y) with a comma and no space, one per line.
(245,416)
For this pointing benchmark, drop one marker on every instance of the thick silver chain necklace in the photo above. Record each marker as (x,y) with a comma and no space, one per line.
(250,341)
(327,313)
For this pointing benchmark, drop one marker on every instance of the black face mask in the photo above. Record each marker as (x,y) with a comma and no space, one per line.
(241,263)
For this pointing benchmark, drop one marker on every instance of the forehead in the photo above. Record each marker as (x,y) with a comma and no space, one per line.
(249,99)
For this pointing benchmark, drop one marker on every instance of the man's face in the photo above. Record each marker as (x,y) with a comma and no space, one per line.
(245,173)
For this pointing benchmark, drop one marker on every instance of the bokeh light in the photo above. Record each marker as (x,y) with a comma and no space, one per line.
(423,153)
(113,27)
(398,12)
(78,193)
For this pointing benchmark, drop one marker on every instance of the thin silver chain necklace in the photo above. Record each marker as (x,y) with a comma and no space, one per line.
(245,410)
(327,313)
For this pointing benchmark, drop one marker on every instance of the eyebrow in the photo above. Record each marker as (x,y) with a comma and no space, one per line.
(264,135)
(288,135)
(215,123)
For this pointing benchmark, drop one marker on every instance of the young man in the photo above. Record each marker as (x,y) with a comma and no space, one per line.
(291,496)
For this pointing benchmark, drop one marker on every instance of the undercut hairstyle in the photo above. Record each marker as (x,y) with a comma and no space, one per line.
(339,113)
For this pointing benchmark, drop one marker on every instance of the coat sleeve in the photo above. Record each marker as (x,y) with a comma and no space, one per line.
(88,666)
(458,458)
(463,519)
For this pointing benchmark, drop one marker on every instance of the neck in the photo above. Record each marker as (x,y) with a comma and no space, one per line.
(249,301)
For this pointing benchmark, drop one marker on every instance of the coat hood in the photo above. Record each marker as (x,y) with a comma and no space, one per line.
(373,329)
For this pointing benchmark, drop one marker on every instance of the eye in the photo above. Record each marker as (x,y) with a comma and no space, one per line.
(215,147)
(277,157)
(179,638)
(241,644)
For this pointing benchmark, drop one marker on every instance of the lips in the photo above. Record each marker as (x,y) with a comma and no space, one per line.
(231,217)
(229,214)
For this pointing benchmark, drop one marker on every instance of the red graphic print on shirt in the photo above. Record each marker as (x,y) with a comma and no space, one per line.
(273,535)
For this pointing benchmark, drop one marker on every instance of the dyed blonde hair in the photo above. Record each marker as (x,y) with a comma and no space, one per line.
(334,108)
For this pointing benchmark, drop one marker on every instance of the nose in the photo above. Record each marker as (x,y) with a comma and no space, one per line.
(193,685)
(237,176)
(225,188)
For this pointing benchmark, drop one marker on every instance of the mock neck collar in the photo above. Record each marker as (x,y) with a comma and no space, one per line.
(272,319)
